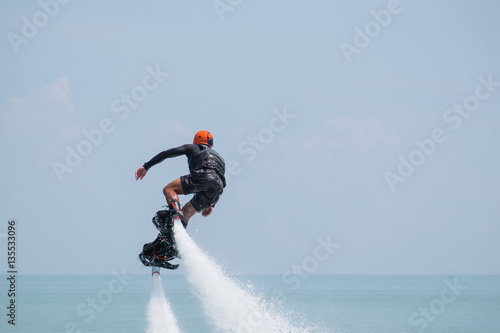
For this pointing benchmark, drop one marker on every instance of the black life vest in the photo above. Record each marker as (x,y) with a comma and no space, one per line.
(207,158)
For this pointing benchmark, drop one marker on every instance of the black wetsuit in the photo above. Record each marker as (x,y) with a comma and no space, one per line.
(206,178)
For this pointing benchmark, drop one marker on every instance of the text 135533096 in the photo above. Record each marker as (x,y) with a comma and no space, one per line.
(11,271)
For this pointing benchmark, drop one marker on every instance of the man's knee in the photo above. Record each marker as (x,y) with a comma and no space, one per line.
(166,189)
(171,192)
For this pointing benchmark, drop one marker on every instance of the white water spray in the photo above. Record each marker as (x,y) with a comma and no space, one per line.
(160,316)
(231,308)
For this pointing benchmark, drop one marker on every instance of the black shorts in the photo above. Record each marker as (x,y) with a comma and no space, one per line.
(207,187)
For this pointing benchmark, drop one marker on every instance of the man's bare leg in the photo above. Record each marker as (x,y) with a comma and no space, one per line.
(171,192)
(188,211)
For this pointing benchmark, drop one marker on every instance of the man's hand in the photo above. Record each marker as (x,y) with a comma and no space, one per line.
(207,211)
(140,173)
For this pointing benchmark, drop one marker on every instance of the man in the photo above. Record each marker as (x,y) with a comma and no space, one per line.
(206,178)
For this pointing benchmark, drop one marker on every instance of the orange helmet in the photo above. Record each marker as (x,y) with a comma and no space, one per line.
(204,138)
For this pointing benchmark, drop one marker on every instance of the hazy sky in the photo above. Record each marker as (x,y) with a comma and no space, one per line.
(359,136)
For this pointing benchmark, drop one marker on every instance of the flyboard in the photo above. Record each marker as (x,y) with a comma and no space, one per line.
(163,249)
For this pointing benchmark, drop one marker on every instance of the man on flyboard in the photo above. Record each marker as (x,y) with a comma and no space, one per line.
(205,179)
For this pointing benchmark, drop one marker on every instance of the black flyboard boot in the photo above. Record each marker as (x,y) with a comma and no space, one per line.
(158,253)
(163,248)
(163,221)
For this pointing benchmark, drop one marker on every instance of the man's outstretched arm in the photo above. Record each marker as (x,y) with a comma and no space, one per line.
(173,152)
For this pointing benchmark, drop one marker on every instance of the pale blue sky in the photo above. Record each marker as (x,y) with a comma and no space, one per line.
(320,173)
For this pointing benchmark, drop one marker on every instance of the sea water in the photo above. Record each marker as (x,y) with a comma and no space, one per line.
(321,303)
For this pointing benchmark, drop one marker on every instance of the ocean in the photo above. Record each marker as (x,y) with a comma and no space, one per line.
(321,303)
(205,298)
